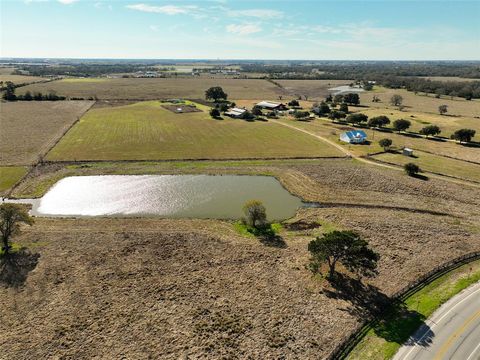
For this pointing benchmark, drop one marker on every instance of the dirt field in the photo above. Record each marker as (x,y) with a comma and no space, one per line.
(147,131)
(139,288)
(30,128)
(314,89)
(167,88)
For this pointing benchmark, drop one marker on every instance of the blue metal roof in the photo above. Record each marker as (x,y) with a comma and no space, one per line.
(355,134)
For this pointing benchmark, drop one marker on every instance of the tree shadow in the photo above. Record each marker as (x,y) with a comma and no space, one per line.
(394,322)
(420,177)
(15,267)
(273,241)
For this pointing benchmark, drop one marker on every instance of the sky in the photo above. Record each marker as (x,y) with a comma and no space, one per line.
(237,29)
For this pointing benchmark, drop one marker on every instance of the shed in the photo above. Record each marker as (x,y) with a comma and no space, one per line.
(236,113)
(407,152)
(354,136)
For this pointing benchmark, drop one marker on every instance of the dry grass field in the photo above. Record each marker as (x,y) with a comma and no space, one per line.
(29,129)
(140,288)
(20,79)
(147,131)
(130,88)
(421,103)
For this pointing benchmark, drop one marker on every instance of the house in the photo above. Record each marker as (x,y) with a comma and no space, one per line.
(354,137)
(407,152)
(271,105)
(236,113)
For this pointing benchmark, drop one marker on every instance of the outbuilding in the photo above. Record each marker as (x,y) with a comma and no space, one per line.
(407,152)
(236,113)
(354,137)
(271,105)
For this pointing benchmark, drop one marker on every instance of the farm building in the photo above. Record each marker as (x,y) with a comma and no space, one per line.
(354,136)
(407,152)
(271,105)
(236,113)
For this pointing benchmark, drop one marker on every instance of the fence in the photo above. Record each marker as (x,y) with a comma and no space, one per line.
(343,349)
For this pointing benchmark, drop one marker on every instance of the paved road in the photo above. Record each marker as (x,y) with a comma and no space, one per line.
(452,332)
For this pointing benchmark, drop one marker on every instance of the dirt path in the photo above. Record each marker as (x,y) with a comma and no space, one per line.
(366,161)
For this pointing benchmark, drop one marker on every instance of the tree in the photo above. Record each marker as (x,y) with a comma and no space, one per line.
(351,98)
(294,103)
(345,247)
(338,99)
(255,213)
(430,130)
(396,100)
(442,109)
(357,118)
(463,135)
(336,115)
(11,216)
(257,111)
(401,125)
(411,169)
(344,107)
(321,109)
(215,93)
(215,113)
(385,143)
(378,121)
(9,93)
(329,98)
(28,96)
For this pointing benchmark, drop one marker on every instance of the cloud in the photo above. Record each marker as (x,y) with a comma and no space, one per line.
(256,13)
(165,9)
(243,29)
(153,28)
(67,2)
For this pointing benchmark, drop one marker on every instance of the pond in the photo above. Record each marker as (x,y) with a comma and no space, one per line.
(171,196)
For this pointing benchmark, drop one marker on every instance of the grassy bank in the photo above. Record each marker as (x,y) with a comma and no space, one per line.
(384,340)
(9,175)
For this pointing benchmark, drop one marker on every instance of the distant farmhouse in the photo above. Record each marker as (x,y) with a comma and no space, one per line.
(269,105)
(354,137)
(236,113)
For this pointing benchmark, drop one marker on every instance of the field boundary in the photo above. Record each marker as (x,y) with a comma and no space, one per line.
(445,156)
(343,350)
(473,182)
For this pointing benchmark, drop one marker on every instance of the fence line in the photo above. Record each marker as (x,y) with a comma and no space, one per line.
(344,348)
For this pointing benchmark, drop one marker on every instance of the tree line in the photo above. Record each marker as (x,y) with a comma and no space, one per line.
(9,95)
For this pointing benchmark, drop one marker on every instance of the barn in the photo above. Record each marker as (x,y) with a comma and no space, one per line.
(270,105)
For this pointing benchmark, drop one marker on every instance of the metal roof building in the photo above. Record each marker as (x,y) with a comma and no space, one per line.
(235,112)
(354,136)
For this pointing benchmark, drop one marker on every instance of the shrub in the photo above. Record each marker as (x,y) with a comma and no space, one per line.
(411,169)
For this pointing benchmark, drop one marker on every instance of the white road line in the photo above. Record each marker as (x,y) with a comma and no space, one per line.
(473,352)
(434,323)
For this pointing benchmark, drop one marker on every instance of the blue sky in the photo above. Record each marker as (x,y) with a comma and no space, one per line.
(229,29)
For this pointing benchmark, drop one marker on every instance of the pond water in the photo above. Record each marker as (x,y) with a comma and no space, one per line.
(172,196)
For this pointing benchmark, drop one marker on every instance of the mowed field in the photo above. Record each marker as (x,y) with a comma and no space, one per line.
(30,128)
(9,175)
(132,88)
(448,124)
(147,131)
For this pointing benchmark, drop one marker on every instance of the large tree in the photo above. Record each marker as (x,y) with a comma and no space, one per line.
(430,130)
(378,121)
(396,100)
(255,213)
(345,247)
(357,118)
(11,216)
(9,93)
(463,135)
(351,98)
(215,93)
(401,125)
(385,143)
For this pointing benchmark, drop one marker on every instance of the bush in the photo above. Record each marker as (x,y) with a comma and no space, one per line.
(344,108)
(294,103)
(411,169)
(214,113)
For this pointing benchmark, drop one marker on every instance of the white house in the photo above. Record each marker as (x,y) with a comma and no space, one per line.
(354,136)
(236,113)
(270,105)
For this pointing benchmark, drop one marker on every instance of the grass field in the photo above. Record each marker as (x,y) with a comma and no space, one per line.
(147,131)
(20,79)
(422,304)
(420,102)
(9,175)
(448,124)
(332,131)
(158,88)
(30,128)
(437,164)
(314,89)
